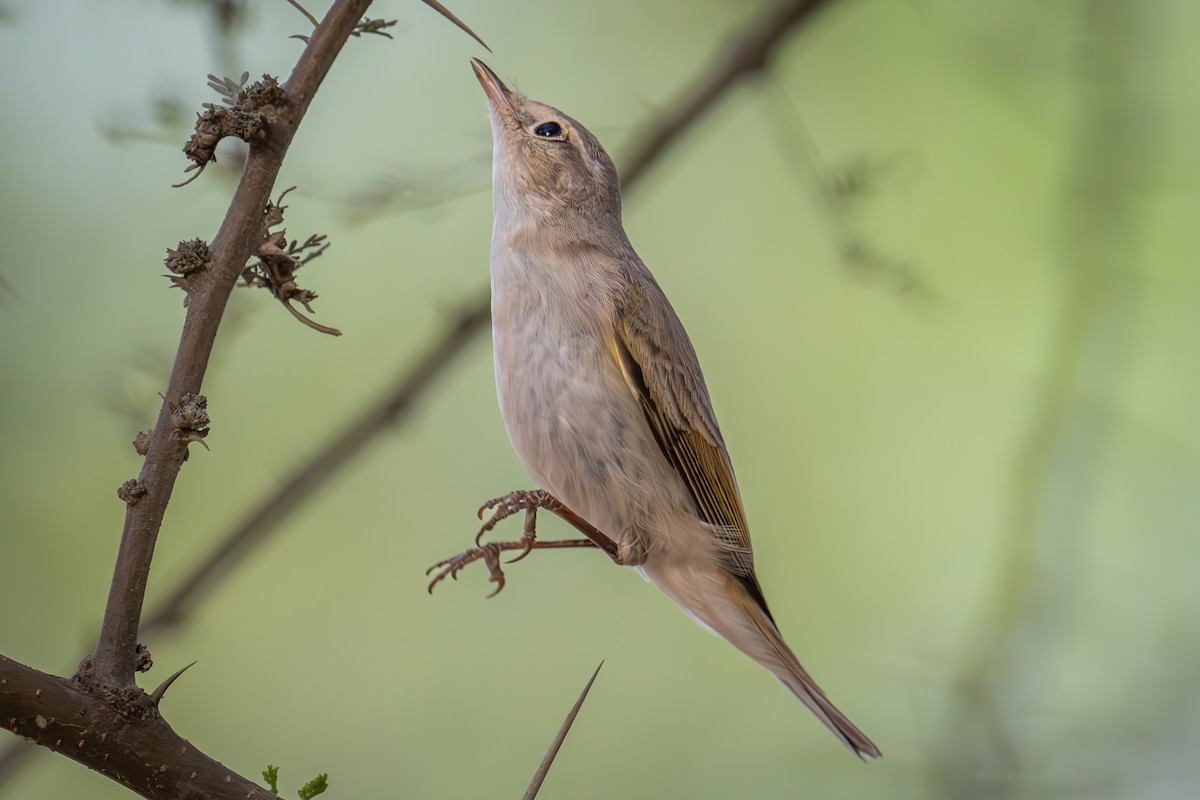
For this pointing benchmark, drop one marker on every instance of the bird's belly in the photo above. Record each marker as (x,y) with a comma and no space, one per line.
(576,426)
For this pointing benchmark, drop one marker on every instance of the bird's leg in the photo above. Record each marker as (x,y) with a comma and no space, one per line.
(530,501)
(506,506)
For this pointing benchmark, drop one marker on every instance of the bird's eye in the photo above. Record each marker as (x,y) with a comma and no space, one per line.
(548,130)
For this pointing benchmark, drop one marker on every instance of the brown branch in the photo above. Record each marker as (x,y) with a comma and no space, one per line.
(236,242)
(120,735)
(101,718)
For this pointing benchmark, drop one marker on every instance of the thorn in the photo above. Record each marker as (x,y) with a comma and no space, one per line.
(189,180)
(157,695)
(445,12)
(543,768)
(316,326)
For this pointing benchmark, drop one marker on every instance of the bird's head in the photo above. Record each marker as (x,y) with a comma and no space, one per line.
(544,162)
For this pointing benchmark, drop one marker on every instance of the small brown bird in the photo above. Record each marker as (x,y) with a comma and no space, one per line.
(601,391)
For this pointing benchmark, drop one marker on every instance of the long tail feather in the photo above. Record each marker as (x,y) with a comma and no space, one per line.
(721,602)
(786,667)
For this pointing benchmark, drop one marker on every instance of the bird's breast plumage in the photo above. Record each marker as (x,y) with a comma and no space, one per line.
(570,415)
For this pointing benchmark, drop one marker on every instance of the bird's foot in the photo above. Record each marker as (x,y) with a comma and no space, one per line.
(527,500)
(489,553)
(504,507)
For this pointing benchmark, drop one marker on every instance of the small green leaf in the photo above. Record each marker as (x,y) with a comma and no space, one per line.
(271,776)
(316,786)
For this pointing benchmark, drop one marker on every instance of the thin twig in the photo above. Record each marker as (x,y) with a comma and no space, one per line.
(543,769)
(1028,610)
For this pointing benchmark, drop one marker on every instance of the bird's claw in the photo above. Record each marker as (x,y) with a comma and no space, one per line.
(489,553)
(528,540)
(504,507)
(528,500)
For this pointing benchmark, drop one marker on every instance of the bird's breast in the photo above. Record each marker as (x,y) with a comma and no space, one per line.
(571,417)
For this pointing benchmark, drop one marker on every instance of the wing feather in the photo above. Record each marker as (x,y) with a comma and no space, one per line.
(662,371)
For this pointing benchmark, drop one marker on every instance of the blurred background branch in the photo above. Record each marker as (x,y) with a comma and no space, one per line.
(389,411)
(1031,611)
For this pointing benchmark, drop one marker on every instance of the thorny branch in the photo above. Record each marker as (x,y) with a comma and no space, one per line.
(100,717)
(119,733)
(238,239)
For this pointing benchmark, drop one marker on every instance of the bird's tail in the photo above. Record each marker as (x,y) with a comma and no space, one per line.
(722,602)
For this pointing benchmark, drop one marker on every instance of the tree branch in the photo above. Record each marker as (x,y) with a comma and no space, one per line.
(236,242)
(101,718)
(120,734)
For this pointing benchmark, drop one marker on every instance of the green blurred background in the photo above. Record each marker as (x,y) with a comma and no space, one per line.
(939,266)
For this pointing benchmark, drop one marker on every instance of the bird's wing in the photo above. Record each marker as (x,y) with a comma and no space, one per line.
(662,371)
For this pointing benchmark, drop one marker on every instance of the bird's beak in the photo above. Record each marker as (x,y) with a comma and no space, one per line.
(498,94)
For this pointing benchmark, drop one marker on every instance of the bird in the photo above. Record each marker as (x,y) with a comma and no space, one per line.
(602,394)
